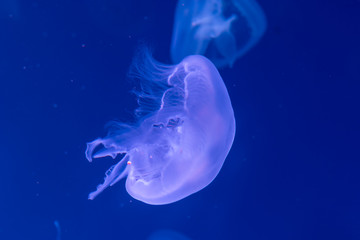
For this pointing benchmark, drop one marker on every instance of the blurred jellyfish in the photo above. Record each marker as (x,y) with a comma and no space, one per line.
(58,230)
(221,30)
(167,234)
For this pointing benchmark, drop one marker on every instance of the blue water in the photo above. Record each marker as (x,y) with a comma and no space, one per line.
(292,172)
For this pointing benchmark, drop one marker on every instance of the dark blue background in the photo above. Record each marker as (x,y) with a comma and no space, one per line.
(293,170)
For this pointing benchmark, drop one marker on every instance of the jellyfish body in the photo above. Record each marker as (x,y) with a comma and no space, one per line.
(221,30)
(180,143)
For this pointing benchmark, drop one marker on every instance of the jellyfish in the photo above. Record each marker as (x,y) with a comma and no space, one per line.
(184,131)
(221,30)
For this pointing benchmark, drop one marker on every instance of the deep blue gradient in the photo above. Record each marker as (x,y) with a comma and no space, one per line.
(293,170)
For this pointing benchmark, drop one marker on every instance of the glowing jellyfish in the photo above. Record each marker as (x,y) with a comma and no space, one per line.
(182,139)
(221,30)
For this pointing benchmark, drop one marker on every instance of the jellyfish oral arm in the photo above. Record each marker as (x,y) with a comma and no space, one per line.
(114,174)
(109,149)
